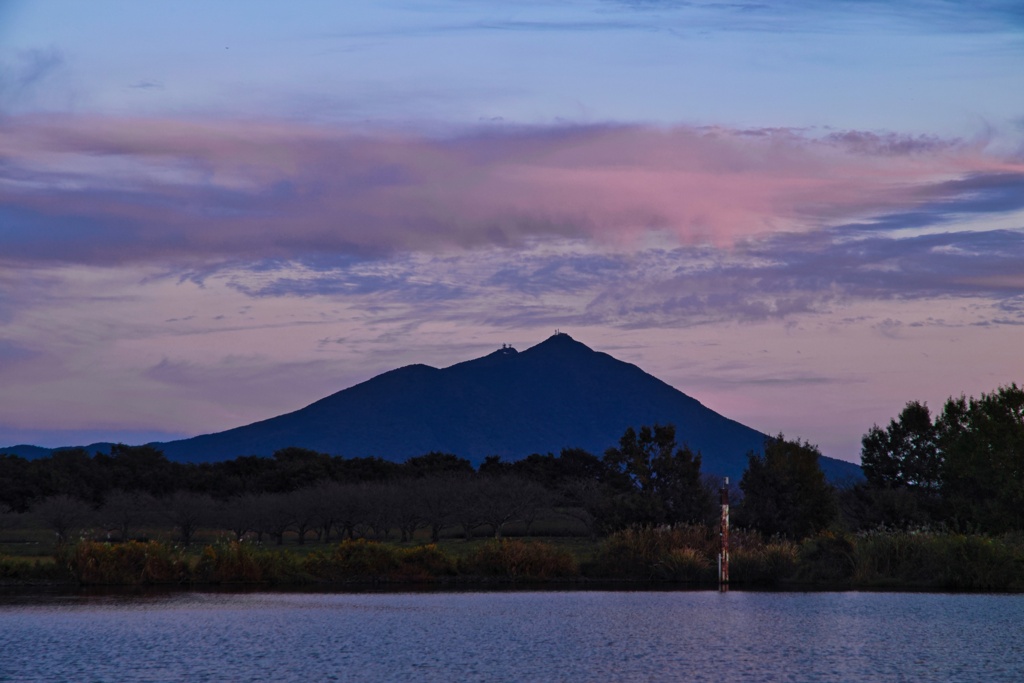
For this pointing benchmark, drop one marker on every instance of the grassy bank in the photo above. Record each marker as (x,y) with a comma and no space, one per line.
(684,555)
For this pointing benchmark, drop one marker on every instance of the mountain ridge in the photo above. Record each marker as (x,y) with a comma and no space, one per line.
(557,394)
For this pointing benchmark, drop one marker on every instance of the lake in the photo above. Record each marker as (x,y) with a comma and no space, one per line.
(513,636)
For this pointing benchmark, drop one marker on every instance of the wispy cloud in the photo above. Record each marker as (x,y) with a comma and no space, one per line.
(775,277)
(20,77)
(106,191)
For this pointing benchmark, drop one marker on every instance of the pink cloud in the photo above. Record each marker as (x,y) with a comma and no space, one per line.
(106,190)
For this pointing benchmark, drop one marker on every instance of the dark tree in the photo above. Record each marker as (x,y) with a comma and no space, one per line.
(71,471)
(658,482)
(507,498)
(785,491)
(630,464)
(438,500)
(679,486)
(187,512)
(142,468)
(408,515)
(982,441)
(124,511)
(276,516)
(300,467)
(63,514)
(18,485)
(239,514)
(905,454)
(437,463)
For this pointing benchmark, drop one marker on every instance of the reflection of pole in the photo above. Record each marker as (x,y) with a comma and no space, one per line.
(723,556)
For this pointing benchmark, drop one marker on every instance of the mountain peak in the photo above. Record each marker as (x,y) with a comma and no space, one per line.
(557,394)
(560,341)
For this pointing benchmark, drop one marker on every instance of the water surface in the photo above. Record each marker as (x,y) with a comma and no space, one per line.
(515,636)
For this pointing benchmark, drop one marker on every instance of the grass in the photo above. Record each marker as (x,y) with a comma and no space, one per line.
(685,554)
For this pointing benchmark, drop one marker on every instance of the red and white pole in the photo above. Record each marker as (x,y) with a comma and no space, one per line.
(723,556)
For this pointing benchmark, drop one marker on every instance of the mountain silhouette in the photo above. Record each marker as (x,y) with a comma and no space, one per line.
(557,394)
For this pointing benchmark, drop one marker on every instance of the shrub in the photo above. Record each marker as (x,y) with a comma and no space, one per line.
(132,563)
(684,564)
(516,559)
(932,560)
(828,558)
(683,553)
(767,564)
(352,560)
(241,562)
(25,570)
(421,563)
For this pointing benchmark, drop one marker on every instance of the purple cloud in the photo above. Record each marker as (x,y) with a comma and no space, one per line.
(104,191)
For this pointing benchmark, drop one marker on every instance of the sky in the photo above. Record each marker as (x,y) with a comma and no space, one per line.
(803,214)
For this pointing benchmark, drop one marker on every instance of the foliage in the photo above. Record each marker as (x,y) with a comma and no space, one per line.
(904,454)
(63,514)
(655,482)
(965,469)
(25,570)
(517,560)
(363,560)
(865,507)
(649,553)
(785,492)
(132,563)
(983,470)
(763,564)
(242,562)
(939,561)
(827,558)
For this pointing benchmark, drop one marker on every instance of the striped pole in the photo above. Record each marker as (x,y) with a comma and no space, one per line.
(723,556)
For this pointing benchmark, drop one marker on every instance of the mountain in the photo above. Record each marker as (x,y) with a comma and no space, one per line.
(557,394)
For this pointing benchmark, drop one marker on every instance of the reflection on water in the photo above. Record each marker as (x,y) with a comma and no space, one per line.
(517,636)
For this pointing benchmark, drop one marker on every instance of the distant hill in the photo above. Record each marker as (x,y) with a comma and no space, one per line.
(26,451)
(557,394)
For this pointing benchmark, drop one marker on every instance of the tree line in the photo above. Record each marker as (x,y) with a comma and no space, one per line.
(646,480)
(962,470)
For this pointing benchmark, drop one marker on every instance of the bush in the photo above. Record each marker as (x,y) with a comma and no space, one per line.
(132,563)
(422,563)
(360,559)
(516,559)
(946,561)
(827,558)
(683,553)
(241,562)
(24,570)
(764,565)
(684,564)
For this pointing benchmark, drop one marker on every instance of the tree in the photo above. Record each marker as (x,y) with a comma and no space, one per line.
(304,511)
(658,482)
(982,442)
(437,463)
(679,486)
(905,454)
(239,514)
(122,511)
(505,498)
(299,467)
(63,514)
(187,512)
(785,492)
(437,497)
(140,468)
(402,497)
